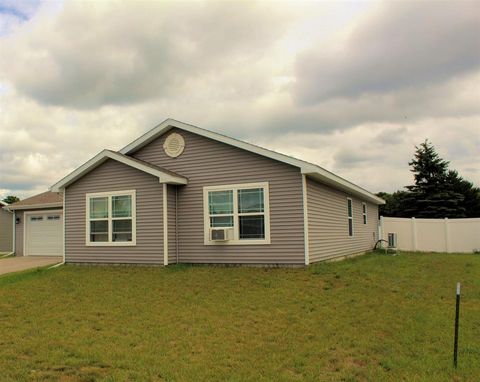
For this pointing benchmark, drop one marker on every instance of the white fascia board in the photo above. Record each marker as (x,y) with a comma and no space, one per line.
(162,176)
(105,155)
(80,171)
(171,123)
(306,168)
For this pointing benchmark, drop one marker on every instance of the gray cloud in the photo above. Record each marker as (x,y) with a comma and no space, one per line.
(120,55)
(401,107)
(392,136)
(400,45)
(354,157)
(107,72)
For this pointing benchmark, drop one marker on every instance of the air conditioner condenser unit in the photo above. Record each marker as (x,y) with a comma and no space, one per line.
(392,240)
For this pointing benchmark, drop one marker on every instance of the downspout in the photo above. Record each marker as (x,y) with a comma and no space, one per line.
(64,219)
(176,222)
(14,232)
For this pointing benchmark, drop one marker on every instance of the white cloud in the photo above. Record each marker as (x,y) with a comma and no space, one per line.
(86,76)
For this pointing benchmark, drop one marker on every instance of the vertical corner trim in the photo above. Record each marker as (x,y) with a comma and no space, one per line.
(165,225)
(305,218)
(14,234)
(64,222)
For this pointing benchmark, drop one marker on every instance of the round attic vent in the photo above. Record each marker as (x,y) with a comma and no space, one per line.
(174,145)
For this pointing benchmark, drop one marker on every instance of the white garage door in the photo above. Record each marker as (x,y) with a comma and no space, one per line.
(44,233)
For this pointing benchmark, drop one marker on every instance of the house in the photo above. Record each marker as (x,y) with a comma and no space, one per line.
(182,194)
(38,225)
(6,229)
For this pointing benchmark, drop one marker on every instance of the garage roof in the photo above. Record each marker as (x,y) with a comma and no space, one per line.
(44,200)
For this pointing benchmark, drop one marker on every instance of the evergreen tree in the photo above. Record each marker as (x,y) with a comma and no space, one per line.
(470,193)
(395,204)
(432,195)
(437,192)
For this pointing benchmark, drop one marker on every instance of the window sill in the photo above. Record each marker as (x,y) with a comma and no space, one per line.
(113,244)
(237,242)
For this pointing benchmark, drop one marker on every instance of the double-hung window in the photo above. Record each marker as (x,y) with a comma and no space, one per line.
(111,218)
(244,208)
(350,217)
(364,212)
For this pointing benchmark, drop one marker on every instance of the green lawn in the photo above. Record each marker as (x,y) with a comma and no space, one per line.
(374,317)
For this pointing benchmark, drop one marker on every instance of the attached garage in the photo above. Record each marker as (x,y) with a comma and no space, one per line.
(39,225)
(43,233)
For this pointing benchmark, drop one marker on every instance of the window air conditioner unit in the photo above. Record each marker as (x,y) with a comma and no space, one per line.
(221,234)
(392,240)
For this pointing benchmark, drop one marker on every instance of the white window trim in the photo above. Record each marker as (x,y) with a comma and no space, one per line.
(350,218)
(235,188)
(111,243)
(364,213)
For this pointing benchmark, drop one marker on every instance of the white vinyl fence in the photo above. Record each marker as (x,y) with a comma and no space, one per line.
(434,235)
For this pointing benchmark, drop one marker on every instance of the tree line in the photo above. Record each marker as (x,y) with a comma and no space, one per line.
(11,199)
(437,192)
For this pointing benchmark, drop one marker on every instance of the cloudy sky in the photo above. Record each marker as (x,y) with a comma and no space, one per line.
(352,87)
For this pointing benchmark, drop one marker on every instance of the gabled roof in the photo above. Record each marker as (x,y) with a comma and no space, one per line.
(164,176)
(2,203)
(311,170)
(44,200)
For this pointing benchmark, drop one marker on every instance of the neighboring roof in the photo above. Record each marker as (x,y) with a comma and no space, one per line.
(164,176)
(2,203)
(311,170)
(44,200)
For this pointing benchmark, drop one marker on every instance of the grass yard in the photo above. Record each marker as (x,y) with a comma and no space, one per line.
(374,317)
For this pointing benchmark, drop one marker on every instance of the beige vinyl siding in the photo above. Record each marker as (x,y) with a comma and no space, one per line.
(328,223)
(6,230)
(206,162)
(172,233)
(115,176)
(19,234)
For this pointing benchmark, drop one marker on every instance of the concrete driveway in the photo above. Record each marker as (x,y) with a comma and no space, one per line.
(21,263)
